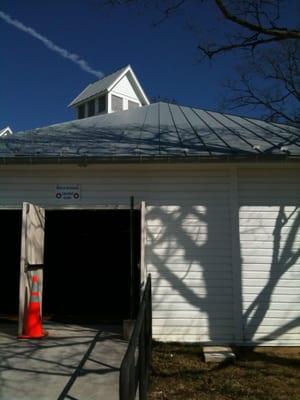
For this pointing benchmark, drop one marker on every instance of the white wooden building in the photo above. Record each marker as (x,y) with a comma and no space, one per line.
(217,200)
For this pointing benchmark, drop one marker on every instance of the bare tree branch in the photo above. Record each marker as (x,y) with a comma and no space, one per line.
(269,79)
(169,10)
(269,82)
(275,32)
(240,45)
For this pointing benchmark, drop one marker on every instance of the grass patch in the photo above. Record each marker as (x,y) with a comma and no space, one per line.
(264,373)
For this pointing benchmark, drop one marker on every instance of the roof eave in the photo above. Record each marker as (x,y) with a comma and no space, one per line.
(81,160)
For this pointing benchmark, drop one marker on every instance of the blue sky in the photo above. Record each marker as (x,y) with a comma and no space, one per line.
(37,84)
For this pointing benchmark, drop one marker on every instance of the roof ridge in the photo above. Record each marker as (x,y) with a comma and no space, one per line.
(112,73)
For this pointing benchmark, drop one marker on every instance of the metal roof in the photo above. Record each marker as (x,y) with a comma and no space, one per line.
(157,132)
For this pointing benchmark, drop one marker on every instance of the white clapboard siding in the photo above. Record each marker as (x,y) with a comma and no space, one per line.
(204,225)
(189,256)
(104,185)
(270,240)
(192,323)
(188,244)
(191,267)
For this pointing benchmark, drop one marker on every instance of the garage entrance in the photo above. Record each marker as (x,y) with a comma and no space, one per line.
(87,265)
(10,245)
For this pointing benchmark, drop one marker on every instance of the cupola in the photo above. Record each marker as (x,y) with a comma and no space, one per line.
(118,91)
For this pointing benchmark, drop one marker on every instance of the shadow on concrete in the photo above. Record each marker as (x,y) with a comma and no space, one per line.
(67,364)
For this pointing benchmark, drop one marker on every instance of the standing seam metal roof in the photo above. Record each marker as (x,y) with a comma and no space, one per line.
(160,131)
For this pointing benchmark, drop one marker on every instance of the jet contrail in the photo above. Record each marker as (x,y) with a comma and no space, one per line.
(75,58)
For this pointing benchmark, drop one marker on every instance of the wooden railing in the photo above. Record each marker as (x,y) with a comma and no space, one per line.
(135,367)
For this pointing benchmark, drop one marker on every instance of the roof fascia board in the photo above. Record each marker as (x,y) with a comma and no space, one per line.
(139,87)
(290,165)
(254,160)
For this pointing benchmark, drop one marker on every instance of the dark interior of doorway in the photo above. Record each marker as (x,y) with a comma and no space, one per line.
(87,272)
(10,245)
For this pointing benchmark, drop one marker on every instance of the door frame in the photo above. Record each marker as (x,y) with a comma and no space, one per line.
(141,265)
(34,259)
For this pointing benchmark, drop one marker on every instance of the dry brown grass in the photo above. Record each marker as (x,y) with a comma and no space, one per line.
(268,373)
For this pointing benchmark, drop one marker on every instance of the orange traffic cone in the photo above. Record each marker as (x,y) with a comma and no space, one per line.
(33,328)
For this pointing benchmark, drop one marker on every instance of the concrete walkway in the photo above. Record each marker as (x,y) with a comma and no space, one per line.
(75,362)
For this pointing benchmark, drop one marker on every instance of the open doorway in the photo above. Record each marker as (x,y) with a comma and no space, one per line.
(87,272)
(10,245)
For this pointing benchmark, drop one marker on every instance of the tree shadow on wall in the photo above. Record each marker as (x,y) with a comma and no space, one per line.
(190,256)
(285,254)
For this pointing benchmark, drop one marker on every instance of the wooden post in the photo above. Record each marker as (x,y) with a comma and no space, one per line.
(132,257)
(22,286)
(236,258)
(143,274)
(142,364)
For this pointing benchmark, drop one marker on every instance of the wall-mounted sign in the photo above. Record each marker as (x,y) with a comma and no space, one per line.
(67,192)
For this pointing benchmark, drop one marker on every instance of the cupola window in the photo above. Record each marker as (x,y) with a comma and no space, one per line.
(132,104)
(81,111)
(91,108)
(116,103)
(101,104)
